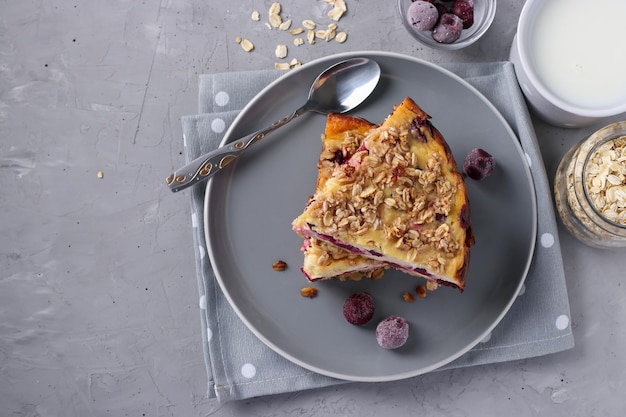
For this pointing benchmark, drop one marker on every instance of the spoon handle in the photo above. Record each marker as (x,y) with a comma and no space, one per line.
(207,165)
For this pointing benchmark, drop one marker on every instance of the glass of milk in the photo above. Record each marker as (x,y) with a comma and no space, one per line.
(570,59)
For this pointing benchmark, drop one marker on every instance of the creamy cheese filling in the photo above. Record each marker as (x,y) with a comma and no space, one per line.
(396,263)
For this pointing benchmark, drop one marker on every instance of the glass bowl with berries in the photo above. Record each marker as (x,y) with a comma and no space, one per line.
(447,24)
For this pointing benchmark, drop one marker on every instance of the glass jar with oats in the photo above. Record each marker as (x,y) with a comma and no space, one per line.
(590,188)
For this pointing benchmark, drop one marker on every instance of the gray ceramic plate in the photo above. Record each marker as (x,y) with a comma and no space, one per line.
(249,209)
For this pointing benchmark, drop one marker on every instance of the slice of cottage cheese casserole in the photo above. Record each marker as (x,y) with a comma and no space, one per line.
(342,137)
(399,199)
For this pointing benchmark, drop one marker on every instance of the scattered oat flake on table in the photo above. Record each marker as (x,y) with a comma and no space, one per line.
(285,25)
(247,45)
(100,174)
(330,35)
(274,15)
(339,8)
(309,27)
(281,51)
(309,24)
(275,20)
(275,8)
(282,66)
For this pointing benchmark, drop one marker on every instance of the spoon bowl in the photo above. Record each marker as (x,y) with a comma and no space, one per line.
(343,86)
(338,89)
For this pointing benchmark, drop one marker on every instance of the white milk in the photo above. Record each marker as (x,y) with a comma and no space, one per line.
(579,51)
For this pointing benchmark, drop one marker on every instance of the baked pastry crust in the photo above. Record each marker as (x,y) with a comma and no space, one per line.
(399,199)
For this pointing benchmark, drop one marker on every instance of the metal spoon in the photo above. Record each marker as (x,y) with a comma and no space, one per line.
(338,89)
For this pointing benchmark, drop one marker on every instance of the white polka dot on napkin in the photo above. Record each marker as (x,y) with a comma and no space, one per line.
(248,370)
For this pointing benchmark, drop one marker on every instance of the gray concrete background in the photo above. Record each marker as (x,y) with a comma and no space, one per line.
(98,298)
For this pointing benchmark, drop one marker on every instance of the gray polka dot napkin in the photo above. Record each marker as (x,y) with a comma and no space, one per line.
(240,366)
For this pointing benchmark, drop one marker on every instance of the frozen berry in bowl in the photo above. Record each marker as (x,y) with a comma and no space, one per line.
(475,18)
(448,29)
(441,8)
(478,164)
(464,9)
(358,308)
(392,332)
(422,15)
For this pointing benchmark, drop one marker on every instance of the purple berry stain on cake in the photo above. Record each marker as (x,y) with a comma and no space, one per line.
(416,129)
(392,332)
(358,308)
(478,164)
(465,217)
(339,158)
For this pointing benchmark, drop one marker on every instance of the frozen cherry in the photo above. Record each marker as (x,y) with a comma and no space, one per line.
(441,8)
(448,29)
(465,10)
(358,308)
(392,332)
(422,15)
(478,164)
